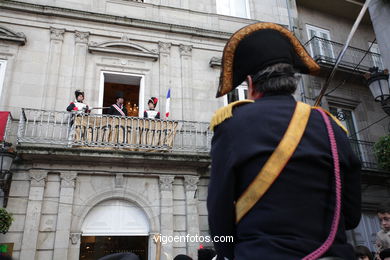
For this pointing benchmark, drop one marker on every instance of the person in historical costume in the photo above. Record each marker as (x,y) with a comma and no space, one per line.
(78,104)
(118,109)
(278,165)
(151,112)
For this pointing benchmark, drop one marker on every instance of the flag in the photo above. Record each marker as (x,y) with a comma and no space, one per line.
(3,123)
(167,103)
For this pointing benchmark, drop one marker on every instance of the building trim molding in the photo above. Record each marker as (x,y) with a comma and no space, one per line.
(127,48)
(112,19)
(8,35)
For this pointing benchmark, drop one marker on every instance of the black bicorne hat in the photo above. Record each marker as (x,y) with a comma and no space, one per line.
(78,92)
(119,94)
(258,46)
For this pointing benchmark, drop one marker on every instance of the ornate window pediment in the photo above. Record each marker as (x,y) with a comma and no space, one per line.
(123,47)
(8,35)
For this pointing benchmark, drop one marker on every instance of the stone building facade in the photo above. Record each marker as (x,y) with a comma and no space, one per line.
(70,200)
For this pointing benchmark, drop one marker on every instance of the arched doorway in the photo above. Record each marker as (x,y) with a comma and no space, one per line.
(114,226)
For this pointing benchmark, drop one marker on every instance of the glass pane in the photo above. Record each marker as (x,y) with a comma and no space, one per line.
(239,8)
(223,7)
(232,96)
(326,46)
(349,121)
(376,58)
(315,46)
(95,247)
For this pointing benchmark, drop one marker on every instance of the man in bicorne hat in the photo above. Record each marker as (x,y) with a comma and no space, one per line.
(277,199)
(118,109)
(151,112)
(78,104)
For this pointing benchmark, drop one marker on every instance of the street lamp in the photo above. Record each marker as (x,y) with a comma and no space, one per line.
(378,82)
(6,158)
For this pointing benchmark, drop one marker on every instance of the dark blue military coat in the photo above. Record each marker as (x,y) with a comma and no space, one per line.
(294,217)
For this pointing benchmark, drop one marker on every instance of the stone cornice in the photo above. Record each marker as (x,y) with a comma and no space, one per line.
(111,19)
(8,35)
(41,154)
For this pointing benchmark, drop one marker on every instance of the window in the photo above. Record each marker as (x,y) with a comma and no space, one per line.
(376,56)
(365,233)
(239,93)
(347,119)
(2,74)
(320,47)
(238,8)
(132,86)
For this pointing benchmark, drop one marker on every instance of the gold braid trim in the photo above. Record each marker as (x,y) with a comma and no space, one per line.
(226,80)
(226,112)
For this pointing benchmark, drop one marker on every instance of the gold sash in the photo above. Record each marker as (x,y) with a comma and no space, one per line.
(276,163)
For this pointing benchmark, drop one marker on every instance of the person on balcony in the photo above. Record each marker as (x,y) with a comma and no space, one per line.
(118,109)
(152,113)
(284,181)
(78,105)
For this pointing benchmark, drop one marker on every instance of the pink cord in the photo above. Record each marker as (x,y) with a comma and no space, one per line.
(336,218)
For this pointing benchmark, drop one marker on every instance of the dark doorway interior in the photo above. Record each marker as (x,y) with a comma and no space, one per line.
(94,247)
(131,94)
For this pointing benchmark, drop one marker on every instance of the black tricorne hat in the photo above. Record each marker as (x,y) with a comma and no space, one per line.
(256,47)
(78,92)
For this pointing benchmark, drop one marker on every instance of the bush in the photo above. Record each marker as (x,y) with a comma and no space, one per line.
(382,152)
(5,220)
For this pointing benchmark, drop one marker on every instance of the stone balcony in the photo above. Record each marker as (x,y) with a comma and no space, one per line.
(105,132)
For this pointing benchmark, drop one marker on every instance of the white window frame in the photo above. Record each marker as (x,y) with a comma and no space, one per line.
(339,109)
(232,11)
(319,30)
(375,49)
(3,66)
(357,135)
(241,93)
(141,98)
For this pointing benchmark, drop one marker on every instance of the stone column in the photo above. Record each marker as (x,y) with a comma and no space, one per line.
(166,214)
(191,185)
(53,68)
(33,215)
(186,82)
(165,52)
(61,243)
(79,63)
(74,247)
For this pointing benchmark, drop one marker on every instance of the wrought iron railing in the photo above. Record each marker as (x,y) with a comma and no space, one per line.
(105,131)
(365,152)
(325,52)
(132,133)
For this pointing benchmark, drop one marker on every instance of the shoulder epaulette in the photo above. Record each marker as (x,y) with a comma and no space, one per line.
(334,119)
(226,112)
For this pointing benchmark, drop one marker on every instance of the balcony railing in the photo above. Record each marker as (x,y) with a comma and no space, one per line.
(105,131)
(365,152)
(325,52)
(64,129)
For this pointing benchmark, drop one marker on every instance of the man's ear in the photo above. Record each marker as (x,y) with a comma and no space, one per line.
(252,92)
